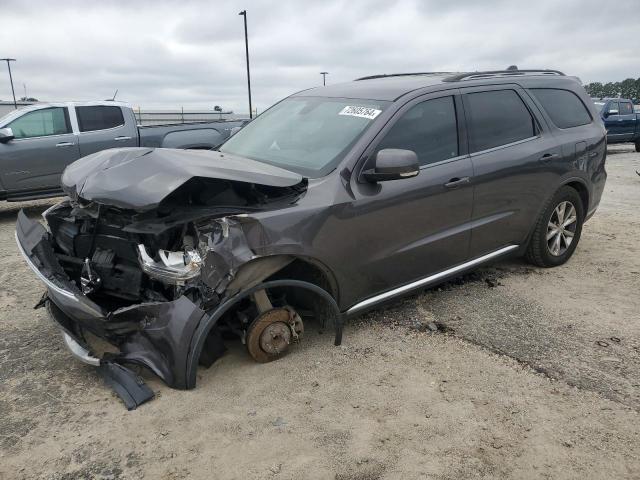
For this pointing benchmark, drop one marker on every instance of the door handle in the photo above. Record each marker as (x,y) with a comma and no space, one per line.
(65,144)
(549,156)
(456,182)
(593,154)
(122,139)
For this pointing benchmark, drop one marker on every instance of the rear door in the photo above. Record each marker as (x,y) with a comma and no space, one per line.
(43,146)
(104,126)
(513,159)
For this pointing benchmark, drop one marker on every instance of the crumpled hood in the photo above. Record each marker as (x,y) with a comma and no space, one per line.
(140,178)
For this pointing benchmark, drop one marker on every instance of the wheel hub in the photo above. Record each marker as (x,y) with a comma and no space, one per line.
(275,338)
(272,332)
(561,228)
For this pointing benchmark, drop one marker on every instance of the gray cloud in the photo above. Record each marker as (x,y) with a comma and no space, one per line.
(191,53)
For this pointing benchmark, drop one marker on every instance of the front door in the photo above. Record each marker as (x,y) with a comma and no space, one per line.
(43,146)
(614,122)
(626,120)
(411,228)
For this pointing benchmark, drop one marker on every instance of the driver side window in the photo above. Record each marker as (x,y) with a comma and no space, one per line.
(429,129)
(41,123)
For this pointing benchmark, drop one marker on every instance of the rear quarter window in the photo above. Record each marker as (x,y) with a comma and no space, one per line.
(99,117)
(498,117)
(564,108)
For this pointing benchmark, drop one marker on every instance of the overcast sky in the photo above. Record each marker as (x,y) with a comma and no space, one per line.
(167,54)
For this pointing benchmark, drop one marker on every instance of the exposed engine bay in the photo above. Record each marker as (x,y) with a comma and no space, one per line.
(119,257)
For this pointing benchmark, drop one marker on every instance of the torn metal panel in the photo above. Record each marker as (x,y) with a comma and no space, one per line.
(225,249)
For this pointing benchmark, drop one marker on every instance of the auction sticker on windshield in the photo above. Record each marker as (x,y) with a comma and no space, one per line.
(362,112)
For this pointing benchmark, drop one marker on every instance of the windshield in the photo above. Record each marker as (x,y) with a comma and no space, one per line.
(307,135)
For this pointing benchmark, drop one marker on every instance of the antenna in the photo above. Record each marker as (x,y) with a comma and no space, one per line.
(114,95)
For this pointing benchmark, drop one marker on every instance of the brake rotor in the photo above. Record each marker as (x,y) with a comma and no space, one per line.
(272,332)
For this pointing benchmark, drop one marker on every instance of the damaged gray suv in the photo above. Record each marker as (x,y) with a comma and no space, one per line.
(333,201)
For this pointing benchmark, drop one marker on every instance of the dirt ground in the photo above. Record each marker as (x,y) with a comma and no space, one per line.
(534,374)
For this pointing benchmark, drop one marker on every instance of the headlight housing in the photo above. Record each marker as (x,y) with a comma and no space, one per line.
(174,268)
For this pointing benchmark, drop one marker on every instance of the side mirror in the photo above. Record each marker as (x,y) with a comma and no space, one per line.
(393,164)
(6,134)
(612,112)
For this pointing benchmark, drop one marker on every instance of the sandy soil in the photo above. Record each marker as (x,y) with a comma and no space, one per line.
(535,375)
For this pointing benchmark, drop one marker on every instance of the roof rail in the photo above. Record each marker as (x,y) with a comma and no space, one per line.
(500,73)
(383,75)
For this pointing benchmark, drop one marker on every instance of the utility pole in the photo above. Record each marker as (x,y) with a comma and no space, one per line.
(15,104)
(324,76)
(246,47)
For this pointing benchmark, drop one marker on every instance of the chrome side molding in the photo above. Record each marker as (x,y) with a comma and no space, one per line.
(428,280)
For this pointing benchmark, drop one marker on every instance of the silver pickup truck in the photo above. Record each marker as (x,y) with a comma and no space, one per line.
(39,141)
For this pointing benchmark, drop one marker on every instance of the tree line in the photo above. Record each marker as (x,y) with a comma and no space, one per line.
(629,88)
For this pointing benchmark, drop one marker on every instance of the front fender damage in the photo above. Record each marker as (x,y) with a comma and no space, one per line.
(162,342)
(230,264)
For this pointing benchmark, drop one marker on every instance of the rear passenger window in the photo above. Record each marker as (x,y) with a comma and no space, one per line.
(564,107)
(429,129)
(626,108)
(497,118)
(99,118)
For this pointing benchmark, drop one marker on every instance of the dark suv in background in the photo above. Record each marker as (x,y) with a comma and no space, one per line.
(334,200)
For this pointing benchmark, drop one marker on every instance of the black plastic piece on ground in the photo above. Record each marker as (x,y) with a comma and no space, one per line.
(129,387)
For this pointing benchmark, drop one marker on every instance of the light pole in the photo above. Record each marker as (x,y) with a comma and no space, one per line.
(324,76)
(246,47)
(15,104)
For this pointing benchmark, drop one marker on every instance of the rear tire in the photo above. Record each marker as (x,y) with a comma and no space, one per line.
(557,230)
(638,146)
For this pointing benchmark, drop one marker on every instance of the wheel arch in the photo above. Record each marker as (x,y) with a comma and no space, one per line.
(284,267)
(580,186)
(210,320)
(311,270)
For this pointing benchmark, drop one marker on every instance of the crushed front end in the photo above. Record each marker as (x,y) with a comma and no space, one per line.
(142,280)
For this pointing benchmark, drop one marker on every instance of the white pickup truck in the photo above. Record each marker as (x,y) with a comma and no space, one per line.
(39,141)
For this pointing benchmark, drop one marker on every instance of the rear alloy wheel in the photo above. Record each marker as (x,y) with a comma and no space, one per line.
(561,228)
(557,230)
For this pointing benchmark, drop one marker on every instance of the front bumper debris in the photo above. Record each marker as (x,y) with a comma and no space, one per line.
(80,352)
(168,334)
(129,387)
(156,335)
